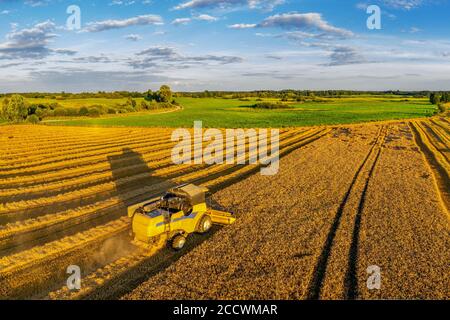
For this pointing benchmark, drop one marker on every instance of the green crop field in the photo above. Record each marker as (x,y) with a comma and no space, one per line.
(232,113)
(78,103)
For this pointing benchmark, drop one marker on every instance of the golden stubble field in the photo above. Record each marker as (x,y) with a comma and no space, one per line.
(346,198)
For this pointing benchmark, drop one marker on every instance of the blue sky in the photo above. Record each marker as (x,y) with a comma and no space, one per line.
(224,45)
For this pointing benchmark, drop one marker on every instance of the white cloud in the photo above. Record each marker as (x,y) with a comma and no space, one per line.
(306,21)
(202,17)
(206,17)
(168,57)
(252,4)
(242,26)
(404,4)
(311,22)
(119,24)
(181,21)
(133,37)
(31,42)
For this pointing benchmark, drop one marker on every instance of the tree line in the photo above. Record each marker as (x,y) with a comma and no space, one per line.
(162,94)
(440,99)
(15,107)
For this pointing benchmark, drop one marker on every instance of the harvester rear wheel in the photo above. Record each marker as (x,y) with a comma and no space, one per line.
(178,242)
(205,224)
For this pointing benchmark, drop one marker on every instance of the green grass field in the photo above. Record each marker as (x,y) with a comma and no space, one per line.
(227,113)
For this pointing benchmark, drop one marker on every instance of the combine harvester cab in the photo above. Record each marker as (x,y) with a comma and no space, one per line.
(179,213)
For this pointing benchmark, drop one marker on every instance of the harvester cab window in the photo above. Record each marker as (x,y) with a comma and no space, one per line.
(174,204)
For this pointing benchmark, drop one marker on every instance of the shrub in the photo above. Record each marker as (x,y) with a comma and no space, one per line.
(33,119)
(49,113)
(72,112)
(41,113)
(129,109)
(60,112)
(442,108)
(32,109)
(144,105)
(84,111)
(164,105)
(131,102)
(153,105)
(54,105)
(111,111)
(94,112)
(270,105)
(100,107)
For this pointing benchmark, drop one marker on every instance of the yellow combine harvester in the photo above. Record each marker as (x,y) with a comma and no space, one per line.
(179,213)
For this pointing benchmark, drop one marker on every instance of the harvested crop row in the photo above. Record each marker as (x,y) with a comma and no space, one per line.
(39,158)
(90,154)
(49,148)
(86,167)
(99,173)
(23,273)
(35,153)
(249,169)
(83,168)
(23,258)
(17,175)
(61,161)
(443,131)
(435,138)
(438,165)
(7,208)
(117,274)
(284,144)
(13,142)
(109,272)
(15,229)
(444,121)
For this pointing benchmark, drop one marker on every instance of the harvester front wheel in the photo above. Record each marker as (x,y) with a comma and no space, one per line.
(178,242)
(205,224)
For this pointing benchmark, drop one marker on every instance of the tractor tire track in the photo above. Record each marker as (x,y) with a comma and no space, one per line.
(351,282)
(319,273)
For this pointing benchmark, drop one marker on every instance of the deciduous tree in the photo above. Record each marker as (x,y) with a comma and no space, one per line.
(14,109)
